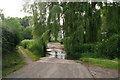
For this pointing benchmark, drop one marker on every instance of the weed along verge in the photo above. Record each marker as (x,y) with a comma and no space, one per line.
(12,63)
(32,56)
(105,63)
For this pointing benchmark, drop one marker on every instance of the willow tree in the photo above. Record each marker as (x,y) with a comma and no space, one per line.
(45,13)
(82,18)
(40,31)
(82,22)
(73,27)
(113,18)
(110,20)
(54,19)
(92,22)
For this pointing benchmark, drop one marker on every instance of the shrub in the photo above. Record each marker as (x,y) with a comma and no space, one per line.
(9,40)
(110,47)
(74,56)
(76,50)
(89,47)
(25,43)
(34,46)
(90,50)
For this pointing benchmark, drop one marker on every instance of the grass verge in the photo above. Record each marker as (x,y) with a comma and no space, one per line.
(30,54)
(113,64)
(12,62)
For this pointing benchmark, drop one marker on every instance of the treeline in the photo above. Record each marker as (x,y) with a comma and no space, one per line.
(92,29)
(13,32)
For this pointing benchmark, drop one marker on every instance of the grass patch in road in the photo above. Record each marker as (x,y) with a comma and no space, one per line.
(30,54)
(113,64)
(12,62)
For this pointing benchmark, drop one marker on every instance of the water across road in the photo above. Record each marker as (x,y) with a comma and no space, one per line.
(56,51)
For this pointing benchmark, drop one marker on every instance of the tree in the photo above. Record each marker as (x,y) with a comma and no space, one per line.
(54,19)
(82,22)
(26,21)
(28,32)
(11,34)
(40,30)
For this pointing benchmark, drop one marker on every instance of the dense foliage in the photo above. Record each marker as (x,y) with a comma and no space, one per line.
(110,47)
(33,46)
(91,31)
(27,32)
(11,34)
(87,27)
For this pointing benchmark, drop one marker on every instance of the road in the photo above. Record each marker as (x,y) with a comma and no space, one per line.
(51,67)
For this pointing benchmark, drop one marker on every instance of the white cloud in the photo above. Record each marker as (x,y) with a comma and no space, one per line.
(12,8)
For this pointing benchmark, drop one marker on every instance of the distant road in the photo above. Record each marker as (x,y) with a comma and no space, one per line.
(54,46)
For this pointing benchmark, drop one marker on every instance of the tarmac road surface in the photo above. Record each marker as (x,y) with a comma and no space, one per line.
(52,68)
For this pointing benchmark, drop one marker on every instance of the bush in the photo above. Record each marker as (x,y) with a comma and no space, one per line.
(25,43)
(73,50)
(77,50)
(83,50)
(89,48)
(110,48)
(34,46)
(9,40)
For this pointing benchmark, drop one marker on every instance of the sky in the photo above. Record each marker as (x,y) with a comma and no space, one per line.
(12,8)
